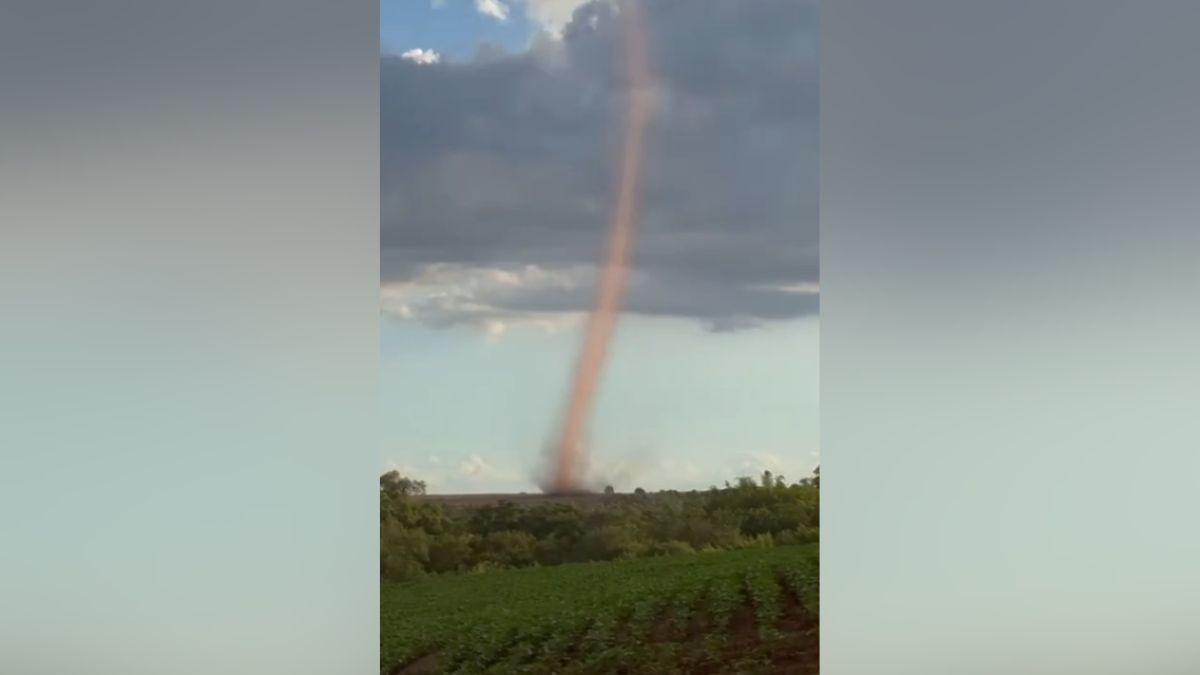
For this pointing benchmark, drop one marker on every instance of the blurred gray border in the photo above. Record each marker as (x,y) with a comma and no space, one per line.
(1009,337)
(188,337)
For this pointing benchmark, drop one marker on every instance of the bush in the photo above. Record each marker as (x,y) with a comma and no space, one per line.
(673,547)
(419,535)
(399,567)
(801,535)
(450,552)
(404,541)
(609,542)
(509,547)
(403,552)
(757,541)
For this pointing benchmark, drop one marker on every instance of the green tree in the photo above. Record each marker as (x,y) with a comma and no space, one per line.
(509,547)
(419,536)
(450,552)
(403,552)
(500,517)
(610,542)
(392,483)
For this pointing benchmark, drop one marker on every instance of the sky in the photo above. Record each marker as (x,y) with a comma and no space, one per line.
(500,127)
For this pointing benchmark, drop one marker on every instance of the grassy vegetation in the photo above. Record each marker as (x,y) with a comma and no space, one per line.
(420,536)
(741,611)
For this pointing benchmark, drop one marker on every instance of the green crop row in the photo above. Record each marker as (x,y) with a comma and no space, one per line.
(585,618)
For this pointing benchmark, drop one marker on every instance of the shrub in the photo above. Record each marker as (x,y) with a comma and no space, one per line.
(509,547)
(450,552)
(673,547)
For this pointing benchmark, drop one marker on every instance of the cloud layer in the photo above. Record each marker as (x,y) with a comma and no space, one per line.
(497,173)
(493,8)
(419,55)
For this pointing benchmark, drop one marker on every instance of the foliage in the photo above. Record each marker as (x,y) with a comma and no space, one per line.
(393,483)
(420,536)
(651,615)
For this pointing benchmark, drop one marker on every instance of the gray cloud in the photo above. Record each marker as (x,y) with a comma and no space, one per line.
(506,162)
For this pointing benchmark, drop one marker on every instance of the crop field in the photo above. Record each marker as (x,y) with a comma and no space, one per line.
(743,611)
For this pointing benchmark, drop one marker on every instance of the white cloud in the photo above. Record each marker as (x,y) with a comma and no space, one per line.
(450,294)
(478,469)
(803,288)
(443,475)
(686,472)
(493,8)
(753,463)
(698,473)
(422,56)
(622,473)
(435,479)
(473,465)
(552,15)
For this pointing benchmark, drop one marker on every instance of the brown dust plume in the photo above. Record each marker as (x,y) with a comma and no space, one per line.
(614,269)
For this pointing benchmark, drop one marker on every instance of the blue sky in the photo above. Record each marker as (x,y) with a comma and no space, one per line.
(453,28)
(678,407)
(494,200)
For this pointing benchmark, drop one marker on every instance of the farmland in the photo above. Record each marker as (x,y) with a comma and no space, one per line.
(722,580)
(750,610)
(525,499)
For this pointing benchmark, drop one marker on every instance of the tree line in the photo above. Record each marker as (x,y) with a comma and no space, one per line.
(418,536)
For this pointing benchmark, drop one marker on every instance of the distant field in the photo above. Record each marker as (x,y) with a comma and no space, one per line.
(473,500)
(745,611)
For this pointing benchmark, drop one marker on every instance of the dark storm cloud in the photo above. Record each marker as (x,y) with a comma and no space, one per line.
(507,161)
